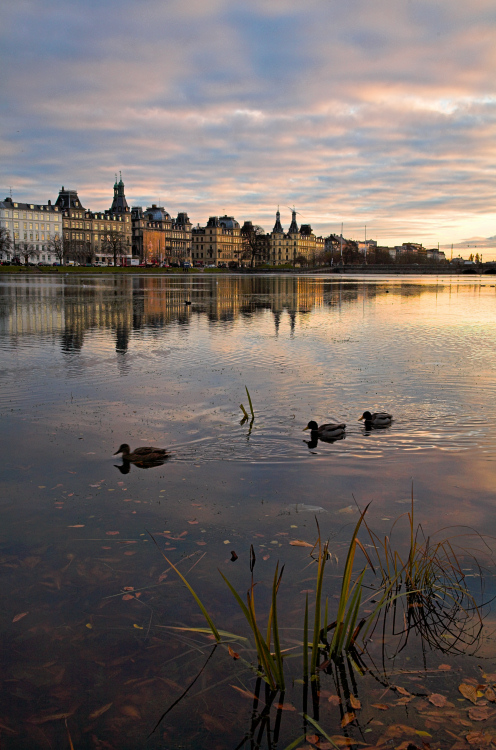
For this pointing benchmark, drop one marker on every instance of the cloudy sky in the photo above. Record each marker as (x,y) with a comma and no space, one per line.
(376,113)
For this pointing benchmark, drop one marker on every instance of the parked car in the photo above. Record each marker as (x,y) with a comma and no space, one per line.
(174,264)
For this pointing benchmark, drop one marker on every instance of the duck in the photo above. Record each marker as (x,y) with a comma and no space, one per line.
(329,431)
(377,419)
(144,454)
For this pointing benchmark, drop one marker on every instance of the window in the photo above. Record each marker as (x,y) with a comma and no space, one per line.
(16,214)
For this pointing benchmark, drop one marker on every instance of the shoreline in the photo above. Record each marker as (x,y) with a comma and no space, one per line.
(486,269)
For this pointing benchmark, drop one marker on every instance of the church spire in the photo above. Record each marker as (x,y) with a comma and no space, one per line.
(119,204)
(278,226)
(293,229)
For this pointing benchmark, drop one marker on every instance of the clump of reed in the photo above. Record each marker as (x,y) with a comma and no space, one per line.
(423,589)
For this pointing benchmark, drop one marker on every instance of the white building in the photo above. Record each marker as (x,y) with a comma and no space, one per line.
(33,223)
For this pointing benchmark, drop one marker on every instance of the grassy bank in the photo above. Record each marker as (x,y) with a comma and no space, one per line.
(94,270)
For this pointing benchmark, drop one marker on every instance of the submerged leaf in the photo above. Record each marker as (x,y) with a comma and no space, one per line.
(246,693)
(20,616)
(232,653)
(380,706)
(348,718)
(468,691)
(438,700)
(481,713)
(299,543)
(354,702)
(100,711)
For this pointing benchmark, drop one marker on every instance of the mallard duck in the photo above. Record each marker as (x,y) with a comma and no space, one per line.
(329,431)
(377,419)
(145,454)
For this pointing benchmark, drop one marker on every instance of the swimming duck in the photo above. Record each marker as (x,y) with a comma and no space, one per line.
(145,454)
(329,431)
(377,419)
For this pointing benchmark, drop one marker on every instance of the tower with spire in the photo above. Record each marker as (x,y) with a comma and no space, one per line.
(293,229)
(119,204)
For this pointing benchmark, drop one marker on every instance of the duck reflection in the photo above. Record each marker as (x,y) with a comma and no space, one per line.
(125,467)
(314,441)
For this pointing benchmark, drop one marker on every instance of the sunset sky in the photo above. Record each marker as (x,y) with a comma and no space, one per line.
(376,113)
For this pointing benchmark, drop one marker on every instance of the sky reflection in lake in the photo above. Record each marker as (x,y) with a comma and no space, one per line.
(91,362)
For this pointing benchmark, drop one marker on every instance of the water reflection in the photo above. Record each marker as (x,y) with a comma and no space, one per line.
(88,362)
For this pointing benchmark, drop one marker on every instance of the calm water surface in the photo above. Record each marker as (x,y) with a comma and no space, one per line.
(90,362)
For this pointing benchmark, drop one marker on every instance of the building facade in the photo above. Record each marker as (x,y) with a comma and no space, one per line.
(295,244)
(31,224)
(219,242)
(158,238)
(94,236)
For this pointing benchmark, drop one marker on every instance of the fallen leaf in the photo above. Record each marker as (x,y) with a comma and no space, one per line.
(126,597)
(403,701)
(481,713)
(479,738)
(299,543)
(285,707)
(50,717)
(138,627)
(89,625)
(100,711)
(334,700)
(348,718)
(7,729)
(380,706)
(468,691)
(112,533)
(402,691)
(421,733)
(20,616)
(213,724)
(354,702)
(265,557)
(246,693)
(444,667)
(341,741)
(131,711)
(192,522)
(438,700)
(490,695)
(77,526)
(313,738)
(232,653)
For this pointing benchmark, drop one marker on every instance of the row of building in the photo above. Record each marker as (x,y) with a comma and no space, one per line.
(67,229)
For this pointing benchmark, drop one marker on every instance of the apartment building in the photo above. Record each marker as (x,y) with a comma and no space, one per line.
(91,236)
(218,242)
(30,223)
(296,243)
(157,237)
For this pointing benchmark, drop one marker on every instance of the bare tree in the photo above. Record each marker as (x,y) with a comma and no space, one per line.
(5,240)
(55,246)
(114,244)
(255,243)
(27,250)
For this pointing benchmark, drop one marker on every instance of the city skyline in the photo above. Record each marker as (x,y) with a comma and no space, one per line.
(379,117)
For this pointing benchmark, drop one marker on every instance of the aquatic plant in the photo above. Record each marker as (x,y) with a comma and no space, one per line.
(423,589)
(245,413)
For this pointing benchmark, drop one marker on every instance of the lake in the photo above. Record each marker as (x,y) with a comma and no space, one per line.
(97,625)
